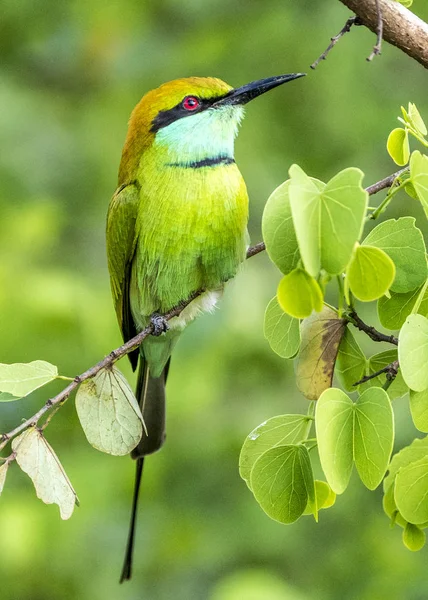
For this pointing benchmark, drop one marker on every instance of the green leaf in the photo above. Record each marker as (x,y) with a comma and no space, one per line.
(370,273)
(375,363)
(334,422)
(415,119)
(388,503)
(413,538)
(350,363)
(38,460)
(410,190)
(324,497)
(278,230)
(331,499)
(282,482)
(281,330)
(406,3)
(398,146)
(3,472)
(419,409)
(278,431)
(109,413)
(6,397)
(346,432)
(390,508)
(411,491)
(415,451)
(299,294)
(393,311)
(413,352)
(403,242)
(328,222)
(321,335)
(373,436)
(419,177)
(20,379)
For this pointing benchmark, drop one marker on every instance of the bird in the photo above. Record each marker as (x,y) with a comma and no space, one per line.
(177,224)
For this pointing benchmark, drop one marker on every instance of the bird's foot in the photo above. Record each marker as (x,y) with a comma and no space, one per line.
(160,324)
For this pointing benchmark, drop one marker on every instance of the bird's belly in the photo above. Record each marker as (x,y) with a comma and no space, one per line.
(188,241)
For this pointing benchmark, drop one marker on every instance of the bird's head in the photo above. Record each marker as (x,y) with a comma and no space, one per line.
(189,121)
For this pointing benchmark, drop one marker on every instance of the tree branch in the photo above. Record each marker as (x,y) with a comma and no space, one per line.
(385,183)
(374,334)
(391,371)
(135,342)
(401,27)
(256,249)
(108,361)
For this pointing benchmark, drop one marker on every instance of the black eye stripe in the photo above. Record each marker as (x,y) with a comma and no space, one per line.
(166,117)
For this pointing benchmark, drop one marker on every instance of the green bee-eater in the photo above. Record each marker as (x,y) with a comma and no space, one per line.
(176,224)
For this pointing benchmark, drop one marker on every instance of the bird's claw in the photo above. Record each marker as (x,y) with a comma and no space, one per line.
(160,324)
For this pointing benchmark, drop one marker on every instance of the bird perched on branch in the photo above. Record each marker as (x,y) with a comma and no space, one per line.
(176,224)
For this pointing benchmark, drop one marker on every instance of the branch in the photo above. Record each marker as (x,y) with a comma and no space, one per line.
(391,371)
(135,342)
(108,361)
(333,41)
(401,27)
(385,183)
(379,32)
(374,334)
(256,249)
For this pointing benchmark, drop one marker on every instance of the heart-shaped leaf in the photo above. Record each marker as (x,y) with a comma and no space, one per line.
(328,222)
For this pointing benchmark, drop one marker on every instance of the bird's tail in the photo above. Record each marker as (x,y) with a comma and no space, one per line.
(151,395)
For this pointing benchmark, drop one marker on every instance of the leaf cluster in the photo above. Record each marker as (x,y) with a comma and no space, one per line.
(314,234)
(109,414)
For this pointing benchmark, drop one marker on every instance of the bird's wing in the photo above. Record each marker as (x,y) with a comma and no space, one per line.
(121,242)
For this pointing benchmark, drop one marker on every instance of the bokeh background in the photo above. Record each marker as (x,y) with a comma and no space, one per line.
(70,74)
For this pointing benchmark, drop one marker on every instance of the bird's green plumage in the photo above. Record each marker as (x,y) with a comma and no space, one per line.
(176,225)
(173,229)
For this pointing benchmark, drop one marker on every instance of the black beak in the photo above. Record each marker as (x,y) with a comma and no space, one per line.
(248,92)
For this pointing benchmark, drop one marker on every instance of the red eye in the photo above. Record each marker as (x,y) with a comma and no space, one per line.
(191,103)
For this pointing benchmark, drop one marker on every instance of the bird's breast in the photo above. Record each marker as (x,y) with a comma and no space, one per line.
(191,231)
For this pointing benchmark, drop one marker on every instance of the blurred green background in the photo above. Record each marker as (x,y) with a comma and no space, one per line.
(71,72)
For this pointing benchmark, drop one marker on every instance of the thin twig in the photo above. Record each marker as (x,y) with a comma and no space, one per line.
(135,342)
(256,249)
(374,334)
(401,27)
(333,41)
(391,371)
(391,374)
(379,32)
(108,361)
(385,183)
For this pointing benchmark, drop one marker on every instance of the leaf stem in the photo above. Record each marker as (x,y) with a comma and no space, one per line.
(310,418)
(416,135)
(394,189)
(340,303)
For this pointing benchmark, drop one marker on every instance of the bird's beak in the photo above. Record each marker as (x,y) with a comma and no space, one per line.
(248,92)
